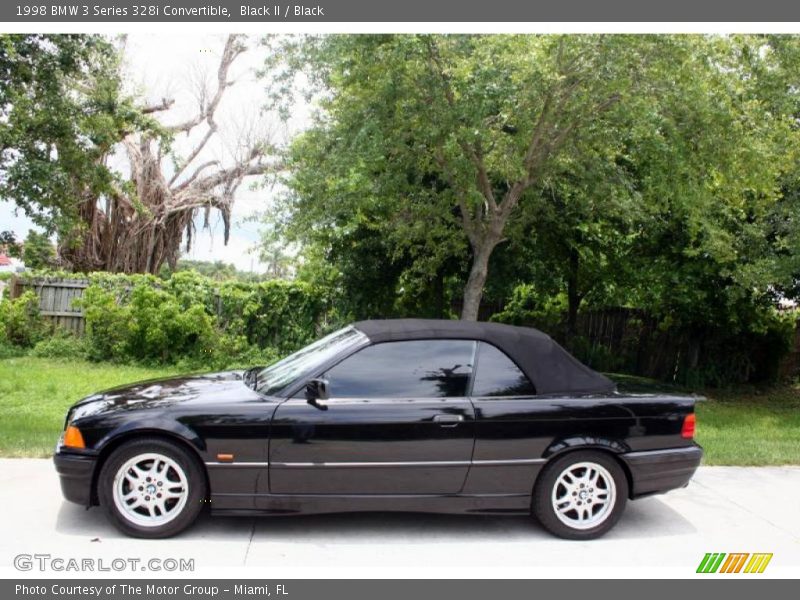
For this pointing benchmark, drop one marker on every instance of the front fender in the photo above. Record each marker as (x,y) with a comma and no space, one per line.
(153,426)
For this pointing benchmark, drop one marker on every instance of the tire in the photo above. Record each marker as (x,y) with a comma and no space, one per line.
(577,483)
(152,488)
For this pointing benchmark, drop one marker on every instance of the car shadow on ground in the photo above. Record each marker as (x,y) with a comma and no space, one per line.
(646,518)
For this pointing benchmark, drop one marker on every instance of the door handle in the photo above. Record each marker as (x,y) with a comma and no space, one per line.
(448,420)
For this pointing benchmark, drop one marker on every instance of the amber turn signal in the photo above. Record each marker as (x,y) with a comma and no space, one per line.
(73,437)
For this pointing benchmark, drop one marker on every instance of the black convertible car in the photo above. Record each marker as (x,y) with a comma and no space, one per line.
(395,415)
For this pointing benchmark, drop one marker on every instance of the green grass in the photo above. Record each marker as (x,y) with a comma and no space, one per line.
(36,392)
(751,427)
(738,427)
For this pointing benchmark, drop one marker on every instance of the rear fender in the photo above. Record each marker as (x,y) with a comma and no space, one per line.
(585,443)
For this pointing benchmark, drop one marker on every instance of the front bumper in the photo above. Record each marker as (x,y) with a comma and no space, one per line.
(658,471)
(76,472)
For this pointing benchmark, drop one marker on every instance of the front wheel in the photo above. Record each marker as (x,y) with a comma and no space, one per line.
(581,495)
(151,488)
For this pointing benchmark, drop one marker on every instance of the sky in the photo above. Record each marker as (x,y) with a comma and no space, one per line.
(170,66)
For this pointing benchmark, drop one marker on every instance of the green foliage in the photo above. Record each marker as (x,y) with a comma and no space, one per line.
(690,352)
(655,173)
(9,244)
(529,306)
(229,352)
(217,270)
(20,322)
(61,345)
(147,323)
(613,168)
(64,110)
(161,329)
(8,350)
(195,321)
(38,252)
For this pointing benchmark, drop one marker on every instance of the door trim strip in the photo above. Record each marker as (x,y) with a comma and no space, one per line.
(379,464)
(237,464)
(421,463)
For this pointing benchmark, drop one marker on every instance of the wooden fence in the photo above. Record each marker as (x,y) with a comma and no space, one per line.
(56,299)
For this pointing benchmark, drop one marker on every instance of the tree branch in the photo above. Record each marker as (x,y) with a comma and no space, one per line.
(233,48)
(165,104)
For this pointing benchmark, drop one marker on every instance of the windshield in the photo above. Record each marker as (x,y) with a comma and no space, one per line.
(274,378)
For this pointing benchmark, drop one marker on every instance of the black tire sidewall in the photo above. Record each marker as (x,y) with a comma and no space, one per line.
(543,508)
(187,461)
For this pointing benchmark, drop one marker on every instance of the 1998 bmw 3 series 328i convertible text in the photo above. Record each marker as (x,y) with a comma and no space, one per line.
(394,415)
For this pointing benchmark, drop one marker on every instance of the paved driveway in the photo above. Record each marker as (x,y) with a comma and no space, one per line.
(724,509)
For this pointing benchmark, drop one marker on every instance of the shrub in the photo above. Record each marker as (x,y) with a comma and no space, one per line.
(229,352)
(196,322)
(9,351)
(147,324)
(162,330)
(20,322)
(107,322)
(62,345)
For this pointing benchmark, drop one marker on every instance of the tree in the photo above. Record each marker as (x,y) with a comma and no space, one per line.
(38,252)
(142,223)
(456,137)
(9,244)
(272,253)
(63,112)
(106,220)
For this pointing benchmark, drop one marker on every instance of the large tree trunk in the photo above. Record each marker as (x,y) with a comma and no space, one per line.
(118,240)
(473,291)
(573,294)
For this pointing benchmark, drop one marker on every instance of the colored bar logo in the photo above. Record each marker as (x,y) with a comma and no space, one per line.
(735,562)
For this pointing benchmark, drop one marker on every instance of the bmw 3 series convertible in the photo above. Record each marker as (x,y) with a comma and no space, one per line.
(390,415)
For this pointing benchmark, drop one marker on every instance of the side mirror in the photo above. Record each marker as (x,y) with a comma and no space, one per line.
(316,390)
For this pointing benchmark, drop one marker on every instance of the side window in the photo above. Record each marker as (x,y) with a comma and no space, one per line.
(413,369)
(498,375)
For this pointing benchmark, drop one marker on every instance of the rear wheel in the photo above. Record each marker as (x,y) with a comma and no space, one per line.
(152,488)
(581,495)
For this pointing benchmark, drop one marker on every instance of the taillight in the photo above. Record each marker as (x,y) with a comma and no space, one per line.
(689,422)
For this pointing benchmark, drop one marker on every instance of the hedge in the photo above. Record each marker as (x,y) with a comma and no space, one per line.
(185,318)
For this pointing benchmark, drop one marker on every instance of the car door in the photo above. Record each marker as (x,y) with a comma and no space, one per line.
(398,421)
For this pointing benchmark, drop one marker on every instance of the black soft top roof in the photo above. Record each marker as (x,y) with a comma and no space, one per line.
(551,368)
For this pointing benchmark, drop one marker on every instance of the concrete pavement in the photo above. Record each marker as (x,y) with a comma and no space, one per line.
(724,509)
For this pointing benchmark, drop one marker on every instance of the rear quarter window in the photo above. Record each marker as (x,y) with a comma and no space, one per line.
(497,375)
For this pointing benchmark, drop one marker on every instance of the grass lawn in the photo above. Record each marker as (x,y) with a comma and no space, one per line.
(739,427)
(751,427)
(36,392)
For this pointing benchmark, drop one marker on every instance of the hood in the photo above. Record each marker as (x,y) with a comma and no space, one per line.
(199,390)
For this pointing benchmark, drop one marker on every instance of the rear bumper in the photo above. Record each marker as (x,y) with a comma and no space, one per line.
(76,472)
(658,471)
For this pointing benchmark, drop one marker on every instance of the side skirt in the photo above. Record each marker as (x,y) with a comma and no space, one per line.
(309,504)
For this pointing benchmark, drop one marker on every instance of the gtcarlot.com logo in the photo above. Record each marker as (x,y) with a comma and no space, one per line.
(735,562)
(48,562)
